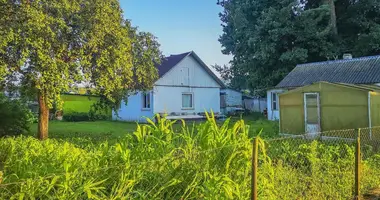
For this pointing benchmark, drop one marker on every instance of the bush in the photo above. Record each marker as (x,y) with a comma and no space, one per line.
(76,117)
(16,117)
(94,116)
(82,116)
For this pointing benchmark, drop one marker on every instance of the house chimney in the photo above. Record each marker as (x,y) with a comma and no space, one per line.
(347,56)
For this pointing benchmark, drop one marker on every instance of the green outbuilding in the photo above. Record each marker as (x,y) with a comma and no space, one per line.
(325,106)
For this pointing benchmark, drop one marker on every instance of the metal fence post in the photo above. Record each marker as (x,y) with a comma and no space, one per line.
(357,166)
(255,157)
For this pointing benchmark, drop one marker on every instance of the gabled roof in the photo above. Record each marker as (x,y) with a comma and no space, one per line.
(364,70)
(171,61)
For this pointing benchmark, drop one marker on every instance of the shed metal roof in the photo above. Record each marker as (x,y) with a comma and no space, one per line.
(364,70)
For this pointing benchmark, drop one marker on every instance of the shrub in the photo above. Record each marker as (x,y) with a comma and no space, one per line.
(94,116)
(82,116)
(76,117)
(16,118)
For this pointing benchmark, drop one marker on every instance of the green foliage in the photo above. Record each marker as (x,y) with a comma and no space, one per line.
(152,163)
(268,38)
(84,116)
(15,116)
(157,161)
(76,117)
(96,116)
(48,47)
(313,170)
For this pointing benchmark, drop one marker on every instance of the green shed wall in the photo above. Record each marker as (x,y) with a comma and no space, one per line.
(375,109)
(291,113)
(341,107)
(375,115)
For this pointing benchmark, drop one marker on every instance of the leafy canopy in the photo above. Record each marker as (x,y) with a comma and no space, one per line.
(268,38)
(48,47)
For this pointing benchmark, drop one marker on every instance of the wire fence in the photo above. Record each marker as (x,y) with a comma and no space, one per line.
(342,164)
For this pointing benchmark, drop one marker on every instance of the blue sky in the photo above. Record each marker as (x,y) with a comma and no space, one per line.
(180,25)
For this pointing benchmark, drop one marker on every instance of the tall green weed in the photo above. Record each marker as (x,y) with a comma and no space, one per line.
(204,161)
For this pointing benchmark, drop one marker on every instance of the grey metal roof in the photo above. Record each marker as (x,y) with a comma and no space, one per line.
(364,70)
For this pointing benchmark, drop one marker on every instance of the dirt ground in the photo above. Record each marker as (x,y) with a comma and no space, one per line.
(373,195)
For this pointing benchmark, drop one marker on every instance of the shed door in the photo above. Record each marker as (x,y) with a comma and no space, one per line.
(312,114)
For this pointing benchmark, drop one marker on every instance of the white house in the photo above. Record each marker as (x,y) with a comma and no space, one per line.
(230,101)
(186,88)
(273,103)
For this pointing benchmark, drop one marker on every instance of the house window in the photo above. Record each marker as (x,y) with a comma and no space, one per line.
(187,100)
(146,100)
(274,101)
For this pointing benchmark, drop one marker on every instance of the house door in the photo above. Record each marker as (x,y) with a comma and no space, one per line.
(312,113)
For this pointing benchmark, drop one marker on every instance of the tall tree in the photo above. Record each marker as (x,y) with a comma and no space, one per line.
(47,46)
(268,38)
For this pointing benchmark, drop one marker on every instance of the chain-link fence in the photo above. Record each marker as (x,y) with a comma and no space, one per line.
(329,165)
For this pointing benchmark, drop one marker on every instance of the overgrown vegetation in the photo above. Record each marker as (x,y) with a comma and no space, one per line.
(15,117)
(159,161)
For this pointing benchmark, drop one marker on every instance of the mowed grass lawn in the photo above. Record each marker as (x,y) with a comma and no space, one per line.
(111,130)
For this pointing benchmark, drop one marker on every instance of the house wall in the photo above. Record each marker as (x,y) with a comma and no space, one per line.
(188,72)
(273,114)
(233,100)
(133,110)
(255,105)
(341,107)
(169,99)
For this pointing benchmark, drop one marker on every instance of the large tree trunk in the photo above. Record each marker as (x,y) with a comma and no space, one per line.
(334,28)
(43,117)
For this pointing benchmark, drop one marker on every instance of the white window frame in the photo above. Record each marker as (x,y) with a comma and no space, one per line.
(192,101)
(274,101)
(144,97)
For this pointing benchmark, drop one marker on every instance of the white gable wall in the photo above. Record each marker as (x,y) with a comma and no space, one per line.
(188,72)
(188,76)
